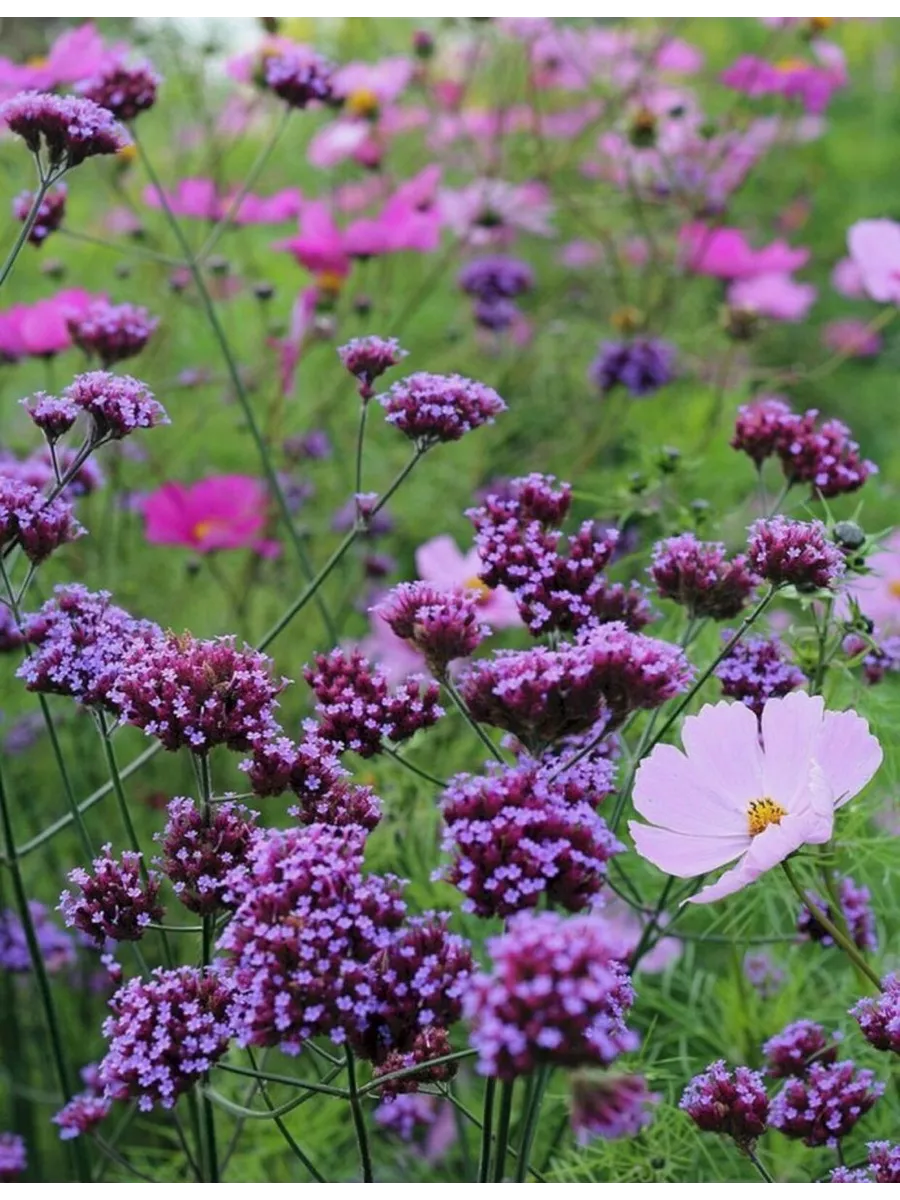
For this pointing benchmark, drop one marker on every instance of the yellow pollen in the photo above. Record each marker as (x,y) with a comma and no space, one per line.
(791,64)
(362,103)
(203,528)
(37,61)
(820,24)
(474,584)
(894,588)
(330,282)
(127,154)
(763,813)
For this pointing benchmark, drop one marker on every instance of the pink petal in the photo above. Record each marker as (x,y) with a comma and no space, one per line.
(848,754)
(767,849)
(671,793)
(440,561)
(790,728)
(722,742)
(683,854)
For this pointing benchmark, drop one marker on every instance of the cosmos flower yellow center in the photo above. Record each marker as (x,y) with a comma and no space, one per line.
(763,813)
(474,584)
(362,103)
(791,64)
(37,61)
(127,154)
(894,588)
(203,529)
(330,282)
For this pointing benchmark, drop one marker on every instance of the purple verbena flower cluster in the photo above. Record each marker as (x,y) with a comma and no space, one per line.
(69,128)
(116,901)
(29,519)
(794,552)
(879,1016)
(439,408)
(610,1105)
(755,670)
(112,332)
(50,215)
(298,76)
(494,283)
(699,576)
(367,359)
(730,1102)
(116,404)
(13,1159)
(856,914)
(56,946)
(53,415)
(641,365)
(199,852)
(125,89)
(797,1047)
(825,1104)
(83,1113)
(441,623)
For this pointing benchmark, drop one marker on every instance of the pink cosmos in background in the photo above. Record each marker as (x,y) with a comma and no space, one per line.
(368,91)
(41,330)
(199,199)
(743,792)
(393,654)
(875,252)
(727,254)
(440,561)
(776,296)
(623,932)
(846,279)
(492,212)
(223,512)
(75,55)
(878,594)
(290,348)
(811,83)
(853,338)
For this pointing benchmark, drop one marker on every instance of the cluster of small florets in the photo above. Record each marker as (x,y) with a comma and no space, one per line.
(11,635)
(555,995)
(407,1114)
(81,475)
(443,624)
(80,639)
(439,408)
(13,1159)
(197,693)
(53,415)
(112,332)
(418,987)
(298,76)
(730,1102)
(164,1034)
(494,283)
(632,670)
(308,931)
(794,552)
(30,520)
(50,214)
(56,946)
(825,1104)
(514,837)
(557,585)
(879,1016)
(116,404)
(69,128)
(367,358)
(83,1113)
(199,851)
(124,89)
(114,900)
(824,456)
(883,1166)
(797,1047)
(755,670)
(641,365)
(877,660)
(699,576)
(856,914)
(358,711)
(610,1104)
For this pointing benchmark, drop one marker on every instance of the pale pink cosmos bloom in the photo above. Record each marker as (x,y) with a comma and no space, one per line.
(381,81)
(878,594)
(196,198)
(440,561)
(679,57)
(490,212)
(579,254)
(875,251)
(290,349)
(726,253)
(320,244)
(75,55)
(223,512)
(743,792)
(623,933)
(846,279)
(336,142)
(286,205)
(776,296)
(853,338)
(393,654)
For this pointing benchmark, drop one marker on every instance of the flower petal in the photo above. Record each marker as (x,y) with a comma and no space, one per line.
(722,742)
(848,754)
(767,849)
(791,726)
(682,854)
(670,792)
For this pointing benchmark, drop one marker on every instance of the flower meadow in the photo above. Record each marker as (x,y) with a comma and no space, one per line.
(449,602)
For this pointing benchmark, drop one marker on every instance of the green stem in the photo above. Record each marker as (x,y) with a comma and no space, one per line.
(288,1081)
(487,1130)
(27,226)
(299,1153)
(360,443)
(237,382)
(469,719)
(381,1080)
(644,943)
(410,766)
(751,1154)
(840,938)
(38,965)
(503,1124)
(537,1087)
(359,1120)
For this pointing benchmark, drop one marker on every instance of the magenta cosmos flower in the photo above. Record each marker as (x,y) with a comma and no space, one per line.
(736,794)
(223,512)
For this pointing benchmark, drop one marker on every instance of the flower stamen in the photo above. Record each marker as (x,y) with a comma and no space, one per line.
(763,813)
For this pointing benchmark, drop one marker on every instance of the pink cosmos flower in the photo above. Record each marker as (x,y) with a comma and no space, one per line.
(623,933)
(812,83)
(853,338)
(491,212)
(41,330)
(290,349)
(846,279)
(776,296)
(440,561)
(320,245)
(393,654)
(679,57)
(195,198)
(223,512)
(878,594)
(75,55)
(725,253)
(743,792)
(875,252)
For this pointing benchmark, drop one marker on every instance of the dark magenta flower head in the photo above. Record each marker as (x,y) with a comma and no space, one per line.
(495,315)
(518,835)
(760,427)
(428,1044)
(164,1035)
(856,915)
(367,358)
(879,1016)
(125,89)
(114,900)
(755,670)
(29,519)
(797,1047)
(794,552)
(496,277)
(642,366)
(186,691)
(884,1160)
(83,1113)
(68,129)
(13,1159)
(610,1104)
(824,1105)
(50,214)
(116,404)
(730,1102)
(555,994)
(439,408)
(699,576)
(53,415)
(441,623)
(298,76)
(198,854)
(112,332)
